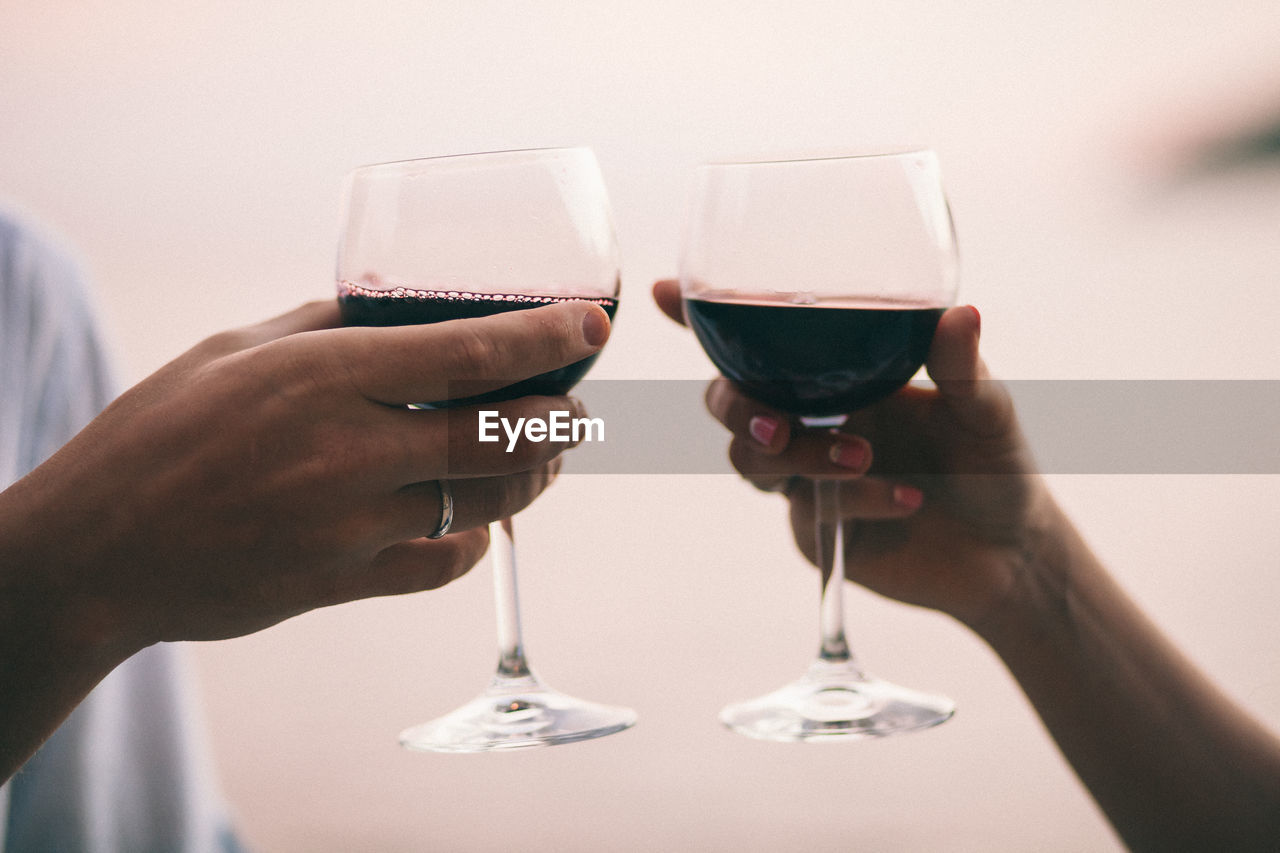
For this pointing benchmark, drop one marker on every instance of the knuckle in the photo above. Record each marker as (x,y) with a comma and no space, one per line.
(308,371)
(341,452)
(555,333)
(350,534)
(474,347)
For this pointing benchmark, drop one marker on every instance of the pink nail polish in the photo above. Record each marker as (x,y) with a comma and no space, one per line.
(848,454)
(763,428)
(908,497)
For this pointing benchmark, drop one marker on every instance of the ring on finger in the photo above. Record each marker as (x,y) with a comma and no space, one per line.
(446,510)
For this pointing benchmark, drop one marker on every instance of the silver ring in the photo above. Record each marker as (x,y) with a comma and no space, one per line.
(446,510)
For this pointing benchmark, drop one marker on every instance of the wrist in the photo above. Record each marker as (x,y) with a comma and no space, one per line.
(56,642)
(48,605)
(1042,573)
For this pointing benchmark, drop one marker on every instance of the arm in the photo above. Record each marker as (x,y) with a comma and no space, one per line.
(267,472)
(1173,763)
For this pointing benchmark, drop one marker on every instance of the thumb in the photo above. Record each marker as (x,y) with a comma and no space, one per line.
(980,403)
(667,294)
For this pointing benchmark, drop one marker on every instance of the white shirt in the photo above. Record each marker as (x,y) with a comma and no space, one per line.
(128,771)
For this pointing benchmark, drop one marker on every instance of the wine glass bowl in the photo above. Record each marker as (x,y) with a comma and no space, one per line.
(815,285)
(463,237)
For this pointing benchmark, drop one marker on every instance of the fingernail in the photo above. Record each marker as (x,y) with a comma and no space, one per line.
(848,454)
(908,497)
(763,428)
(595,327)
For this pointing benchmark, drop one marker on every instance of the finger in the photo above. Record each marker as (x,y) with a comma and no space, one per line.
(402,365)
(980,403)
(421,564)
(768,428)
(666,293)
(816,455)
(416,445)
(416,508)
(309,317)
(772,483)
(866,499)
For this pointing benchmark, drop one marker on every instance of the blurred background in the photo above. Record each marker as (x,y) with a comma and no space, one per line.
(1112,170)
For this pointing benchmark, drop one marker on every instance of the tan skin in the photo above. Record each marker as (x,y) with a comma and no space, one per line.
(1173,762)
(266,472)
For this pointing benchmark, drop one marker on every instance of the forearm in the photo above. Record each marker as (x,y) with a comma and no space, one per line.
(55,645)
(1172,761)
(40,684)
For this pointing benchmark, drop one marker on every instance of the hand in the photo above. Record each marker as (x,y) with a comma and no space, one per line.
(275,469)
(942,504)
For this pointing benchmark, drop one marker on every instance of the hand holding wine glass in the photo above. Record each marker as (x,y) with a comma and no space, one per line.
(984,541)
(268,471)
(951,540)
(455,240)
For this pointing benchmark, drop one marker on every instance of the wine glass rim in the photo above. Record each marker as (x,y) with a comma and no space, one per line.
(411,161)
(886,153)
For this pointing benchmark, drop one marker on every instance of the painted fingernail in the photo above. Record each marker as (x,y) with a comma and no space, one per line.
(763,428)
(908,497)
(595,327)
(848,454)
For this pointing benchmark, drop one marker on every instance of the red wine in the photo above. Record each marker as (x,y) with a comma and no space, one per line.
(402,306)
(819,359)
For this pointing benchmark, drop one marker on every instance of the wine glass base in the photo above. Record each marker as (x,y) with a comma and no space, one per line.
(506,718)
(835,702)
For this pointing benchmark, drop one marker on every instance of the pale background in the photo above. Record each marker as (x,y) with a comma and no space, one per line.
(193,151)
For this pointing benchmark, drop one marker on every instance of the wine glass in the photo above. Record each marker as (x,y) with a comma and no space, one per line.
(816,285)
(468,236)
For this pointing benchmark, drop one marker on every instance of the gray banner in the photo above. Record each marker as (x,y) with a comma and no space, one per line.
(1072,427)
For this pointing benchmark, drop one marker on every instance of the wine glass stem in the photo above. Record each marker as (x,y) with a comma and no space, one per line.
(829,550)
(502,549)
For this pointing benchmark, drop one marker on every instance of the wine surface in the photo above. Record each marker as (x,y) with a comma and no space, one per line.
(364,306)
(822,358)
